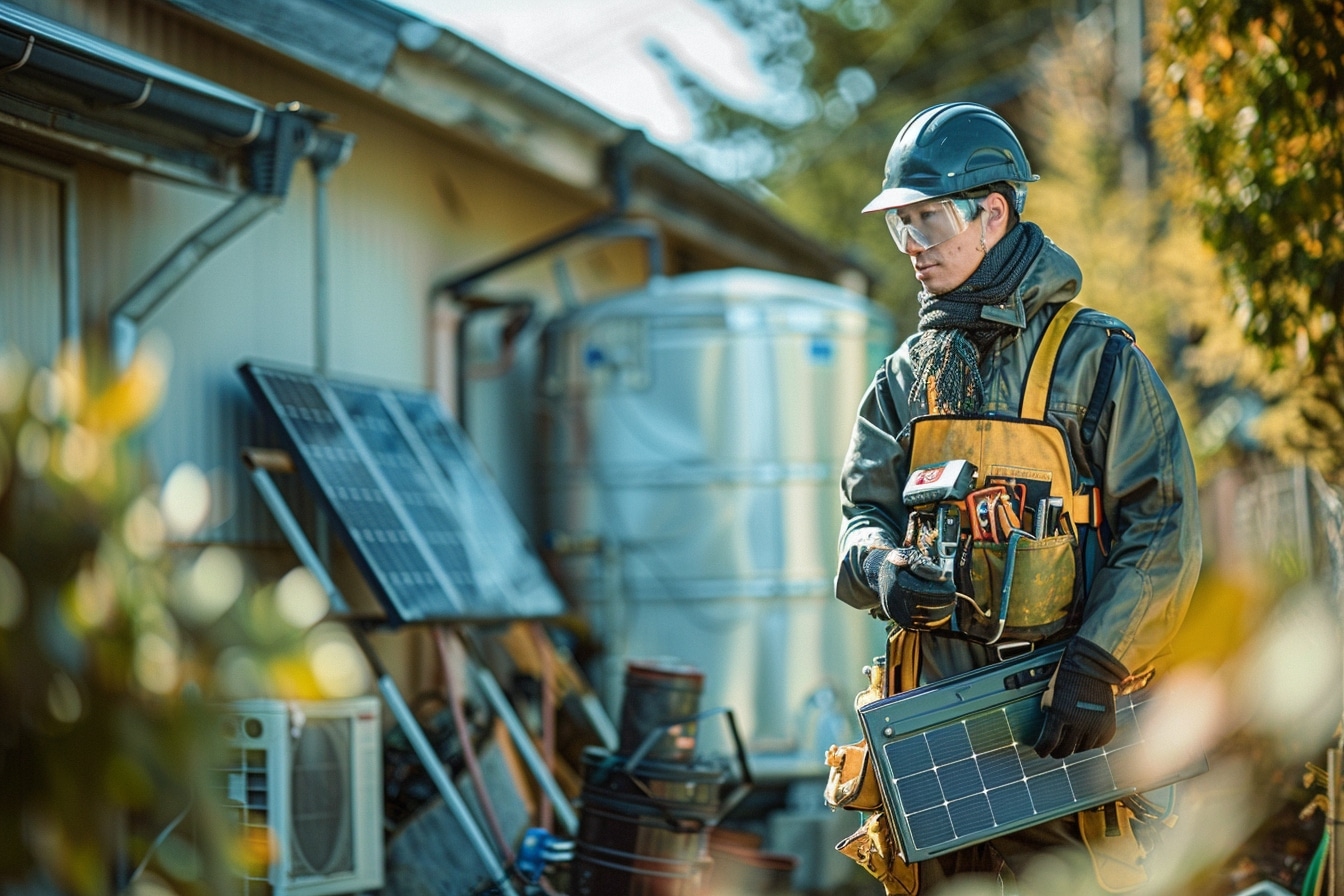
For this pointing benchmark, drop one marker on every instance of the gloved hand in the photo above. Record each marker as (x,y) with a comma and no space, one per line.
(910,601)
(1079,702)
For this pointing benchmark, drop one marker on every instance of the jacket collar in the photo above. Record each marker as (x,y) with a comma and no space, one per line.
(1052,279)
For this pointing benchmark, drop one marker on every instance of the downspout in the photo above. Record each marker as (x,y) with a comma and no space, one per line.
(295,136)
(321,295)
(618,176)
(323,162)
(451,322)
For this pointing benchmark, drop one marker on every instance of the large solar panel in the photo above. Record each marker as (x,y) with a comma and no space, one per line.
(411,500)
(956,764)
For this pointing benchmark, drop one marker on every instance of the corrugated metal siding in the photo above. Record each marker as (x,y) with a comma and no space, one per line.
(403,212)
(408,209)
(252,299)
(30,263)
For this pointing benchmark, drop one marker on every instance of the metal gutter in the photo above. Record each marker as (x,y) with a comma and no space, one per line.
(73,87)
(58,74)
(114,77)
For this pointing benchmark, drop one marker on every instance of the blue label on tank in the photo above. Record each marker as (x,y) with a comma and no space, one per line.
(821,351)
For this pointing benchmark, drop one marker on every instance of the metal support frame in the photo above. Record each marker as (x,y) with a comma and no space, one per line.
(495,696)
(260,464)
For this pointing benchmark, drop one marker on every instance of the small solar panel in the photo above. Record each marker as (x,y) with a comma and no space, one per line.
(956,765)
(413,503)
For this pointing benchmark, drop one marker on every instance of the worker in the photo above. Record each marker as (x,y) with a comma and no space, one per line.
(1073,441)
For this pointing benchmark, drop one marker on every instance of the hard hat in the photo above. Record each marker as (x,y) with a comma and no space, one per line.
(952,148)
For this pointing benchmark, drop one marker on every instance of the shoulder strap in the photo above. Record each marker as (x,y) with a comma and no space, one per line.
(1036,393)
(1114,344)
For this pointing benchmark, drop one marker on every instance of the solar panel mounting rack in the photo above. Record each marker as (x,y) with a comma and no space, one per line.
(956,766)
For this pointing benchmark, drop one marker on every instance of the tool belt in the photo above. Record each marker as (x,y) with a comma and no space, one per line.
(1019,560)
(852,783)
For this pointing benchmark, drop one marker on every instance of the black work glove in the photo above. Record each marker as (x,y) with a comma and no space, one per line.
(910,601)
(1079,703)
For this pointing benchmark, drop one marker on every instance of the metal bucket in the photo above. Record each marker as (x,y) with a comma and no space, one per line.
(656,693)
(646,812)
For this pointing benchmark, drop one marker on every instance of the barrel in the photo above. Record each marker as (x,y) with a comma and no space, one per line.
(645,831)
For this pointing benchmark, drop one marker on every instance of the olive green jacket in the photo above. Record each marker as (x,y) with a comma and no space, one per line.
(1138,457)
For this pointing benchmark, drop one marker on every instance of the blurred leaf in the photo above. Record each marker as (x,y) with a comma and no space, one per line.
(108,671)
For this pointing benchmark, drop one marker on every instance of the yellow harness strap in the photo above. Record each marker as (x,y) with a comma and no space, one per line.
(1036,393)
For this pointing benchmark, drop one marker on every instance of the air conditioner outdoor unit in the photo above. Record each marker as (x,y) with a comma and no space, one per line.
(304,783)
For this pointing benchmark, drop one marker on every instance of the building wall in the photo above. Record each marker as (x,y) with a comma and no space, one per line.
(410,207)
(30,256)
(416,205)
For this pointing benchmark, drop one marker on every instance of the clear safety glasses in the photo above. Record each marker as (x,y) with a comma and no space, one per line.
(932,222)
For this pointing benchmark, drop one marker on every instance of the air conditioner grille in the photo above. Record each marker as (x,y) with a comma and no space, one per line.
(322,822)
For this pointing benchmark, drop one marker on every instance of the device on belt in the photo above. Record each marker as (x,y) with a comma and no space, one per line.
(945,484)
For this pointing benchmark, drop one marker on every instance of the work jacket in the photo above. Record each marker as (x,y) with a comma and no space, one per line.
(1138,590)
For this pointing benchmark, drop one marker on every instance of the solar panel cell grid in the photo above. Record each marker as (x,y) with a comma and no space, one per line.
(423,521)
(958,768)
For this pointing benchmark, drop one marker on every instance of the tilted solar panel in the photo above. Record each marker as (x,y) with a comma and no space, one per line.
(956,764)
(414,505)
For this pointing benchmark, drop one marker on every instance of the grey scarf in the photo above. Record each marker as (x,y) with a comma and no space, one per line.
(952,334)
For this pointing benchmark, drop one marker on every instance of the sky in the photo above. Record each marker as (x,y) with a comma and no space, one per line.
(597,50)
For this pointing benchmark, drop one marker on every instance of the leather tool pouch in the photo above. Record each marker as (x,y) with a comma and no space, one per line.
(852,783)
(1117,857)
(873,847)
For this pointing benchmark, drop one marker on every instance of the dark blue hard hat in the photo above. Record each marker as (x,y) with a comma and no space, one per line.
(948,149)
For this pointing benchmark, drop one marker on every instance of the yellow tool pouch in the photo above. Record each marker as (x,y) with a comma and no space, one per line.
(852,783)
(1030,458)
(1040,592)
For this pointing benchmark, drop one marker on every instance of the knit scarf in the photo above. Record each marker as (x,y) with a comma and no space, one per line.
(952,334)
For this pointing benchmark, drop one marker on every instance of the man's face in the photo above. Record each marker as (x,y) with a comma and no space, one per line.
(943,267)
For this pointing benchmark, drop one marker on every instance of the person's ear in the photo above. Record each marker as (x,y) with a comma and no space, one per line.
(995,207)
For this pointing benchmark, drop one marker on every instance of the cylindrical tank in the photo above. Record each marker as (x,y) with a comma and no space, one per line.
(692,435)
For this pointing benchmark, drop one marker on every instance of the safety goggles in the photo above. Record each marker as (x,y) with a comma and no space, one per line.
(931,222)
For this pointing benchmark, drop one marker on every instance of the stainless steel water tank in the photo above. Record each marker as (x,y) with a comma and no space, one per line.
(692,439)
